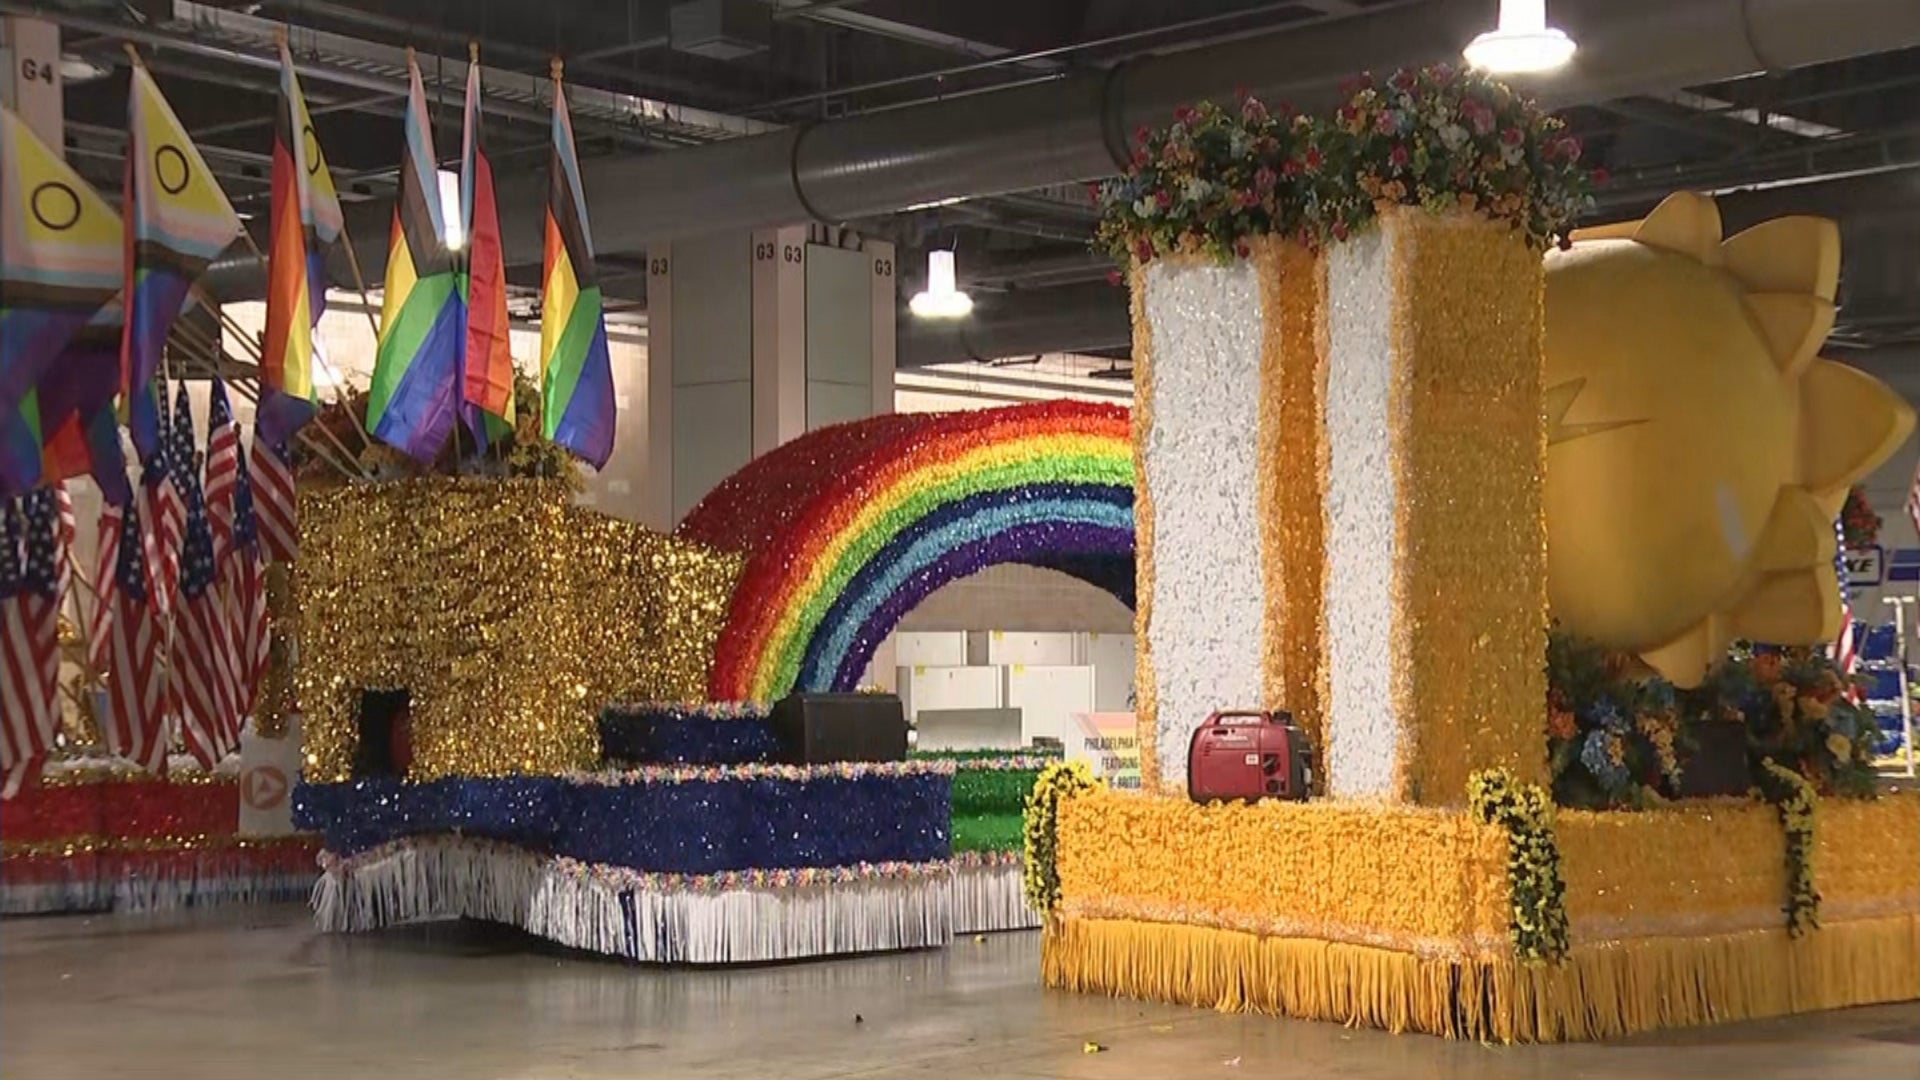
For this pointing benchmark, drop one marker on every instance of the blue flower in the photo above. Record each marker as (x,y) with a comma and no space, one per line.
(1606,715)
(1660,694)
(1593,754)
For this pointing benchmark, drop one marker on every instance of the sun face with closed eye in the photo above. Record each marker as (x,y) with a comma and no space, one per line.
(1698,449)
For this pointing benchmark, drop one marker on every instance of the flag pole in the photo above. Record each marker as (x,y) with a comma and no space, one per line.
(350,469)
(339,380)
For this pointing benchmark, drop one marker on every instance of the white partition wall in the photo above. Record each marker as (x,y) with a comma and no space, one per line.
(1048,697)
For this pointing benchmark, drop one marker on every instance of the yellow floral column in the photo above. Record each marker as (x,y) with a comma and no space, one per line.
(1435,580)
(1293,288)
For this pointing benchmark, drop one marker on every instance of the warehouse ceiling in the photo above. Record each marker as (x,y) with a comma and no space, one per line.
(652,78)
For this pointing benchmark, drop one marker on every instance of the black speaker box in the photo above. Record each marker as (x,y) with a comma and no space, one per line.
(814,729)
(1717,764)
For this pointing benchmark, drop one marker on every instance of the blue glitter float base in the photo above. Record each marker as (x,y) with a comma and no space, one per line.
(752,820)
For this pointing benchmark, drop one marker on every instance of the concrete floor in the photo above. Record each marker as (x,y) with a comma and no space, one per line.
(257,994)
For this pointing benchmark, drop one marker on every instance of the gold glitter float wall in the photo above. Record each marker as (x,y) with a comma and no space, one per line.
(511,615)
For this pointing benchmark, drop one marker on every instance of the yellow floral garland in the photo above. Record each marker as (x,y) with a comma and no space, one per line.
(1792,796)
(1042,873)
(1539,895)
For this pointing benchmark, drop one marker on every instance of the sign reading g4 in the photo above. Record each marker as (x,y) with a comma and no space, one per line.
(1866,566)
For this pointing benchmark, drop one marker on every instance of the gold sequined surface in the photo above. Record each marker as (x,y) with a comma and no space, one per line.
(1469,458)
(1146,704)
(1408,878)
(510,615)
(1292,431)
(1712,867)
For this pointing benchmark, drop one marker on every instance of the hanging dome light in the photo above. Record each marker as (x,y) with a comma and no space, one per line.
(1522,43)
(941,299)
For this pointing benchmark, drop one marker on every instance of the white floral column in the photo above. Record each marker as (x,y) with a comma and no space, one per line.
(1197,421)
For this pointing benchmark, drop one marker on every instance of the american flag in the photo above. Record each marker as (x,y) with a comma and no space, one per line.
(135,727)
(30,649)
(106,581)
(223,453)
(200,676)
(243,591)
(279,519)
(63,536)
(1913,500)
(160,505)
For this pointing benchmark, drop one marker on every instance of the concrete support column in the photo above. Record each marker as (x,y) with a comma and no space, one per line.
(30,82)
(753,340)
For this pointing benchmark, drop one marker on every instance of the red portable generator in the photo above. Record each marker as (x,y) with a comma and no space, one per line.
(1249,755)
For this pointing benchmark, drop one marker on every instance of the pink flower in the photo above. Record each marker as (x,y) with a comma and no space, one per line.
(1339,230)
(1384,123)
(1183,114)
(1512,136)
(1403,80)
(1399,157)
(1164,198)
(1141,135)
(1143,250)
(1315,159)
(1601,175)
(1113,277)
(1479,115)
(1241,249)
(1140,159)
(1290,167)
(1570,148)
(1264,179)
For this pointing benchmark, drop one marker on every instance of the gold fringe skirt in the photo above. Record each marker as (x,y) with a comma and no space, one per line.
(1598,992)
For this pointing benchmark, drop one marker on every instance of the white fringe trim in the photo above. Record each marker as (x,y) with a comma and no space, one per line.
(448,877)
(991,895)
(142,895)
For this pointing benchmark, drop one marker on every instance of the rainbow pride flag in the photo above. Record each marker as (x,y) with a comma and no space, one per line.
(80,431)
(177,221)
(60,261)
(306,225)
(576,374)
(416,369)
(487,362)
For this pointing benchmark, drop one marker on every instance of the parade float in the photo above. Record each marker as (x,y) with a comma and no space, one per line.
(1384,446)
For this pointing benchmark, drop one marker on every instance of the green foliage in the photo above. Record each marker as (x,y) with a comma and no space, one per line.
(1539,896)
(1042,872)
(1793,797)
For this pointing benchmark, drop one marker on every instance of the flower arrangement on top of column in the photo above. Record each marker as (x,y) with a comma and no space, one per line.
(1432,137)
(1210,181)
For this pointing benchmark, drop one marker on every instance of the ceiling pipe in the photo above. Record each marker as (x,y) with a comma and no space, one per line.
(1090,318)
(1077,127)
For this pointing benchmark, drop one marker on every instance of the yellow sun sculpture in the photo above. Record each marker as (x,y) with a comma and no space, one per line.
(1697,449)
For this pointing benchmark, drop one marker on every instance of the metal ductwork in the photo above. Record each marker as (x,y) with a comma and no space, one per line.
(1077,127)
(1071,318)
(1089,318)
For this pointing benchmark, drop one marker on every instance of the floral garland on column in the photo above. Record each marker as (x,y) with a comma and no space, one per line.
(1539,895)
(1042,875)
(1792,795)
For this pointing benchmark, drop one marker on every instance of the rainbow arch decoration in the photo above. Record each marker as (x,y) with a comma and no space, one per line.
(847,528)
